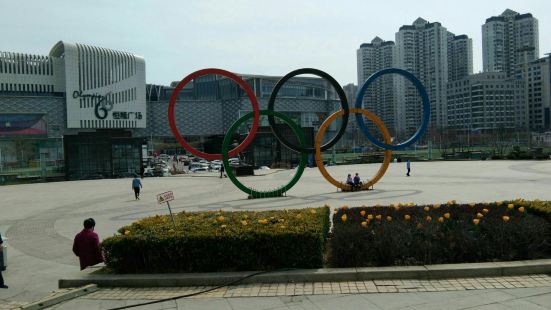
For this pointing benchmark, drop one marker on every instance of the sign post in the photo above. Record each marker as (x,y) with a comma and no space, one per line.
(166,197)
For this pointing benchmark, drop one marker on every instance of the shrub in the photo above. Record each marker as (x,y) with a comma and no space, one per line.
(438,234)
(220,241)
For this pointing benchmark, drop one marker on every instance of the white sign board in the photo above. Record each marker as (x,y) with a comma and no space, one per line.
(165,197)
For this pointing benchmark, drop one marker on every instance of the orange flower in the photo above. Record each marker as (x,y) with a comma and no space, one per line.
(428,218)
(220,218)
(447,215)
(476,221)
(362,213)
(479,215)
(510,206)
(521,209)
(244,223)
(378,216)
(498,203)
(436,206)
(427,209)
(389,218)
(407,217)
(485,210)
(441,220)
(344,218)
(364,224)
(506,218)
(370,217)
(263,221)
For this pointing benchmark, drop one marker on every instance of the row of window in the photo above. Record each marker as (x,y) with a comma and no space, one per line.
(33,88)
(14,63)
(107,123)
(99,67)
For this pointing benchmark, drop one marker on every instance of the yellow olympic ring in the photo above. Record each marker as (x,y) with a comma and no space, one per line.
(319,137)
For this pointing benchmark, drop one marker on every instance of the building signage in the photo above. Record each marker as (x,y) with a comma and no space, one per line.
(103,105)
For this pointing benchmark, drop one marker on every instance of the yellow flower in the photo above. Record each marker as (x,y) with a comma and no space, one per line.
(410,204)
(263,221)
(485,210)
(244,223)
(344,218)
(407,217)
(472,205)
(389,218)
(299,216)
(344,207)
(126,232)
(521,209)
(370,216)
(436,206)
(171,230)
(221,211)
(364,224)
(441,219)
(476,221)
(362,213)
(281,220)
(510,206)
(282,227)
(479,215)
(506,218)
(378,216)
(220,218)
(223,226)
(312,211)
(427,209)
(419,226)
(428,218)
(447,215)
(245,216)
(498,203)
(397,208)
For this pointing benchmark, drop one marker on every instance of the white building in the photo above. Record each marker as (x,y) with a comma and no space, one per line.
(536,76)
(379,99)
(508,40)
(422,49)
(103,88)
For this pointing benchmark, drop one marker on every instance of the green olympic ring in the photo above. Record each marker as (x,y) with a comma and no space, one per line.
(278,192)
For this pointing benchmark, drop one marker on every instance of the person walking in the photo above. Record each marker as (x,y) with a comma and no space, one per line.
(136,185)
(222,171)
(86,245)
(2,284)
(408,166)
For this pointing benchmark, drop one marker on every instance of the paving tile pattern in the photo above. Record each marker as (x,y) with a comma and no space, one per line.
(327,288)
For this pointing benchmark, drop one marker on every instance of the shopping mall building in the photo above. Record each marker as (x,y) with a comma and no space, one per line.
(86,112)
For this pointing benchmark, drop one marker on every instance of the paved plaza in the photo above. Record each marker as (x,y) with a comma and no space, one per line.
(41,220)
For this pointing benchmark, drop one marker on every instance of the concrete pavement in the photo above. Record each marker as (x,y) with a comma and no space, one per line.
(42,219)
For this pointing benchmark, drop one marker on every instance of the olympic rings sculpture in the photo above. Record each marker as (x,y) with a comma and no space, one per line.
(302,148)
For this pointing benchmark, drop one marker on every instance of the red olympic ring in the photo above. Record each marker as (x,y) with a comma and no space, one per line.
(235,78)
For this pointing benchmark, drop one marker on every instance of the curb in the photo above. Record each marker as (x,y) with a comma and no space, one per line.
(57,298)
(491,269)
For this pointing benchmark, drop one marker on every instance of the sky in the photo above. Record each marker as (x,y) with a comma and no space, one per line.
(243,36)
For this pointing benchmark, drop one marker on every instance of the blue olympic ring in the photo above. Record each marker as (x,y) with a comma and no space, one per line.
(426,109)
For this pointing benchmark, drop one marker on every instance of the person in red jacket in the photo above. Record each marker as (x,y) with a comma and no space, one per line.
(86,245)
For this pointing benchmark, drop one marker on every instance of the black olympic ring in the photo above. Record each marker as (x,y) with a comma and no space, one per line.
(344,106)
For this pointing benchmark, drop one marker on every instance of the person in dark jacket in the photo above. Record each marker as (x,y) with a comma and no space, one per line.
(2,285)
(86,245)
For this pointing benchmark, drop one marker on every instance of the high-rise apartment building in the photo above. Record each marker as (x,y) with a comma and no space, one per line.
(380,98)
(508,40)
(422,49)
(536,76)
(460,56)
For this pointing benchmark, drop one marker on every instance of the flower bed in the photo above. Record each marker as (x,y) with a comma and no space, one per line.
(436,234)
(220,241)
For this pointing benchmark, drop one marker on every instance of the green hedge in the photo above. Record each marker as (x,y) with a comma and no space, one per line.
(511,230)
(221,241)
